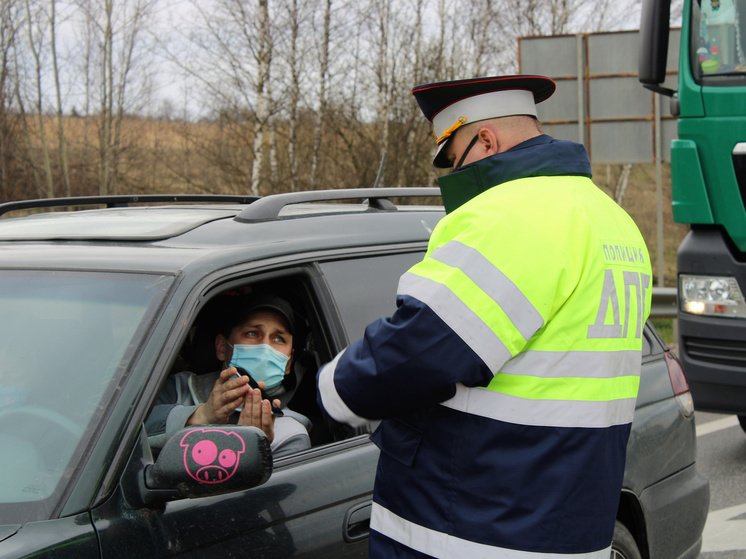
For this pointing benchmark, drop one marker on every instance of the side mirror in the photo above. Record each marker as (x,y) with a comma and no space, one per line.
(203,461)
(654,30)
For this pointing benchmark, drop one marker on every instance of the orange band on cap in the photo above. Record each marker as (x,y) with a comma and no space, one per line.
(447,134)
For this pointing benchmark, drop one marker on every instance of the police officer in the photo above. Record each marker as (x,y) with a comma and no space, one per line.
(506,380)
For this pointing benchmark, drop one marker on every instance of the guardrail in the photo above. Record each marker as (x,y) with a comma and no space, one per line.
(665,302)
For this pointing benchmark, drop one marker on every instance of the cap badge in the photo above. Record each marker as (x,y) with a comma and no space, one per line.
(449,131)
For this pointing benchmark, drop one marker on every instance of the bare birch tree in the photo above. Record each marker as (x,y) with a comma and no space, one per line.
(117,29)
(481,34)
(25,128)
(294,57)
(274,165)
(382,68)
(323,76)
(61,140)
(231,44)
(295,54)
(10,21)
(413,116)
(36,27)
(264,59)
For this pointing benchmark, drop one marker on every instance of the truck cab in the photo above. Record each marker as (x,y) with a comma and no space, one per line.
(708,175)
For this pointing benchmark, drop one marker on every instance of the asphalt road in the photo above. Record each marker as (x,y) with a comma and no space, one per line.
(721,457)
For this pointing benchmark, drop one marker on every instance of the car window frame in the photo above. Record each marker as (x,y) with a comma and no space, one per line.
(330,328)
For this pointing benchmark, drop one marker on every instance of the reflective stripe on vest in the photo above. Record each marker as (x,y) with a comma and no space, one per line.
(558,389)
(444,546)
(459,317)
(549,413)
(574,375)
(496,285)
(476,301)
(333,403)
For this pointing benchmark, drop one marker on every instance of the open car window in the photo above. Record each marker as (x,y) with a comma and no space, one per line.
(196,365)
(350,302)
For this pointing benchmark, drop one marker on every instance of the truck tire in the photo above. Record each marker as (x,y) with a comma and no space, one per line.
(623,544)
(742,421)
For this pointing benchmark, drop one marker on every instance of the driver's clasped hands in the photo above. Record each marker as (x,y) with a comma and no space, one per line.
(230,391)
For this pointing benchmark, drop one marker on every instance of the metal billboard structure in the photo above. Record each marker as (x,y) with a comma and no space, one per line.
(600,103)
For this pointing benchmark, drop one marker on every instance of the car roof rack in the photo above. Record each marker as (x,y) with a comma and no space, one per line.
(120,201)
(269,207)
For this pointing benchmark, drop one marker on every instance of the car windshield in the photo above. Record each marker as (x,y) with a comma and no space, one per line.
(68,337)
(718,46)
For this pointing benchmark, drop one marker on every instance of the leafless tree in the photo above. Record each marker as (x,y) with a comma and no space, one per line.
(37,26)
(117,31)
(481,33)
(323,77)
(264,59)
(25,133)
(412,118)
(231,48)
(382,22)
(274,166)
(293,63)
(10,21)
(298,93)
(61,140)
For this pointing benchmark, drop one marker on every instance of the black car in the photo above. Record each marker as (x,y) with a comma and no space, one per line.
(99,306)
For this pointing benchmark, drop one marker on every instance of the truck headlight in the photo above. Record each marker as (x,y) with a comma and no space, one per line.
(711,296)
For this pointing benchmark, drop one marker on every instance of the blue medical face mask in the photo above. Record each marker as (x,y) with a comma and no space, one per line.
(264,363)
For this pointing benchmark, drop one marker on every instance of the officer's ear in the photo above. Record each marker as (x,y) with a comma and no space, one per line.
(488,143)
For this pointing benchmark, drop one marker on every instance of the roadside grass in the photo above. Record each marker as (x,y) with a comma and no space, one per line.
(665,329)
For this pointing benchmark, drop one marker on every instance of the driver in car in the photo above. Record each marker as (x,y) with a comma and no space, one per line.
(256,336)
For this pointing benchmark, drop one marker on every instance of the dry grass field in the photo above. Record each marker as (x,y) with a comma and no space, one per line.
(158,156)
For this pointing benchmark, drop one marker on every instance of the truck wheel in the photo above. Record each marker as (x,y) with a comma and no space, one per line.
(742,421)
(623,545)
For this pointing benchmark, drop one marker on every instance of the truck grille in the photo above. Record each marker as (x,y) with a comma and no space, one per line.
(721,352)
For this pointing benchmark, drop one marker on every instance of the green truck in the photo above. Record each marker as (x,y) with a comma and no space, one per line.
(708,175)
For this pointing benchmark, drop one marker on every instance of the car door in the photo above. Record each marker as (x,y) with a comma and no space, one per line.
(313,505)
(316,502)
